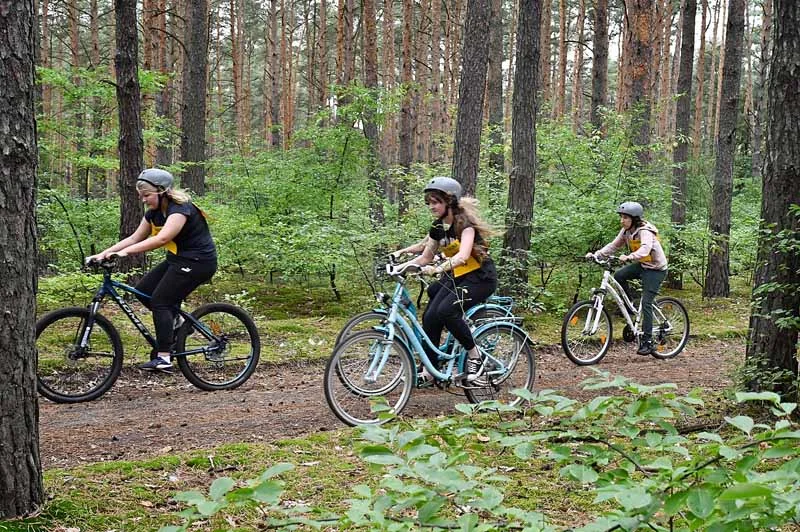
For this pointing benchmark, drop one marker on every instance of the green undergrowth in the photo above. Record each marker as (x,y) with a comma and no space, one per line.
(642,457)
(299,321)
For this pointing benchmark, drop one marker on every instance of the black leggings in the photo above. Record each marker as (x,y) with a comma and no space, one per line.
(168,284)
(449,303)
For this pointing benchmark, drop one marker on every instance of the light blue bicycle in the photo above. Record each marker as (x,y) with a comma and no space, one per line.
(382,362)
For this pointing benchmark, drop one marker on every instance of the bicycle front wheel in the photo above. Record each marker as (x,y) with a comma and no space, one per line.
(67,372)
(365,367)
(670,327)
(508,365)
(585,336)
(365,322)
(228,343)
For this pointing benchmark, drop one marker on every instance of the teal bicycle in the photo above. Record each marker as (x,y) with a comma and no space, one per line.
(385,361)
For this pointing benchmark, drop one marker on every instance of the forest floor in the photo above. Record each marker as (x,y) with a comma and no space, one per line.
(154,414)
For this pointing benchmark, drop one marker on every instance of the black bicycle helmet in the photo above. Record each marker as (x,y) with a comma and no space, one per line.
(161,179)
(448,185)
(631,208)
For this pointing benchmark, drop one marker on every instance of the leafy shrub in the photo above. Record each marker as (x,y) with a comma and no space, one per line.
(627,448)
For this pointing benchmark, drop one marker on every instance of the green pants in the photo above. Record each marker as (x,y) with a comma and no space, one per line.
(651,282)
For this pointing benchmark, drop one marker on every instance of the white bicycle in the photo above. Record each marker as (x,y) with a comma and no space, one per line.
(586,334)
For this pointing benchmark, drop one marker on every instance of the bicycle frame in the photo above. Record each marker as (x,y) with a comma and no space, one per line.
(109,288)
(402,313)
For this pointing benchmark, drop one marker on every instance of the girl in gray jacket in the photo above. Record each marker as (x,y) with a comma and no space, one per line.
(647,262)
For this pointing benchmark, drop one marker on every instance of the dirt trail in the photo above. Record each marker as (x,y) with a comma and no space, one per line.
(147,414)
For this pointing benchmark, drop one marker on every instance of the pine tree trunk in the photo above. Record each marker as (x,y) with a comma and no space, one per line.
(406,137)
(434,90)
(577,70)
(717,276)
(680,156)
(422,133)
(378,189)
(471,91)
(722,59)
(563,27)
(193,130)
(494,87)
(664,94)
(759,96)
(599,63)
(131,144)
(522,181)
(772,346)
(322,54)
(276,68)
(697,130)
(711,93)
(639,52)
(389,135)
(545,50)
(21,487)
(164,97)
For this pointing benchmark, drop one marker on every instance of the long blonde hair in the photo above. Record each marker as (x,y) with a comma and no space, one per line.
(175,195)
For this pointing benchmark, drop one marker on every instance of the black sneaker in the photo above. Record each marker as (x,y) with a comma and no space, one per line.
(645,348)
(157,363)
(475,369)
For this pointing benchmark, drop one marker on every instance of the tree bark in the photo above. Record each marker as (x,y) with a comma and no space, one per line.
(21,488)
(759,90)
(772,347)
(545,54)
(680,156)
(563,27)
(494,87)
(599,63)
(717,282)
(577,70)
(522,181)
(639,54)
(193,134)
(378,190)
(471,90)
(697,130)
(131,143)
(389,136)
(405,148)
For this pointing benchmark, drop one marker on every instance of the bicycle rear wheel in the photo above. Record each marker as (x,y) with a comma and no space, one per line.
(231,345)
(583,344)
(68,373)
(670,327)
(350,390)
(510,347)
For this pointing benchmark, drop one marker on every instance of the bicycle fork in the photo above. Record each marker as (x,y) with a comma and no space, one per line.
(593,316)
(94,306)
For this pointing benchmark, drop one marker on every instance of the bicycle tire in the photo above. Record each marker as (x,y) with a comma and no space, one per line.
(64,375)
(512,346)
(366,321)
(351,403)
(581,348)
(671,334)
(226,366)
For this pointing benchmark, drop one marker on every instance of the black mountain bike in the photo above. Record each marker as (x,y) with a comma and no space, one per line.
(80,351)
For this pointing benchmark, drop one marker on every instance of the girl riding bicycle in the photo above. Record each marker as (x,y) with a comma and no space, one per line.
(173,222)
(648,263)
(467,276)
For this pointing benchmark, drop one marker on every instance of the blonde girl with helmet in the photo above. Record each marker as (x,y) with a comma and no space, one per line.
(173,222)
(467,275)
(647,262)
